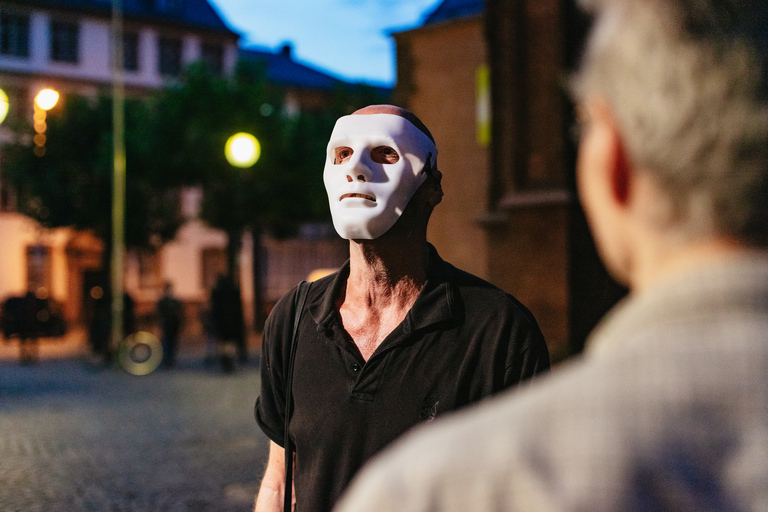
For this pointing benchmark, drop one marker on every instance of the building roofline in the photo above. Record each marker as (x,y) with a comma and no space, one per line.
(436,25)
(104,10)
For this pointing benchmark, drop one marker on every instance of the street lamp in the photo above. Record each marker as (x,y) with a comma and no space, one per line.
(3,105)
(44,101)
(242,150)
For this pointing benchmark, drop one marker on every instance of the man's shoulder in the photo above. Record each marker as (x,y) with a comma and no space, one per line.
(480,295)
(284,309)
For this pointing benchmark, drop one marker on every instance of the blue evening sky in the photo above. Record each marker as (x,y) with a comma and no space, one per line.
(348,38)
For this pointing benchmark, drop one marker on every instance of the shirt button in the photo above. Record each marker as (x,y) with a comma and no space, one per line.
(356,367)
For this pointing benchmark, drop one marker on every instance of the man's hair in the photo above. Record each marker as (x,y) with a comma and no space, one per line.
(688,83)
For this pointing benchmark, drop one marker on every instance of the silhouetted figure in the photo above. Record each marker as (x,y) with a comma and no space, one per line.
(170,311)
(19,319)
(227,321)
(209,331)
(100,327)
(28,332)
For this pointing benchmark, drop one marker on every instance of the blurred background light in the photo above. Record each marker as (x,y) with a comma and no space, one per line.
(242,150)
(46,99)
(3,105)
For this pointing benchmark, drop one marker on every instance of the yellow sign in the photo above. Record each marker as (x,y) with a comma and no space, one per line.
(483,106)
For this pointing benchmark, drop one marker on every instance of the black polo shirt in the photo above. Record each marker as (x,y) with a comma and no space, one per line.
(462,340)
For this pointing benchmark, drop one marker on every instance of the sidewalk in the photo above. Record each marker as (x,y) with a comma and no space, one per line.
(74,344)
(81,437)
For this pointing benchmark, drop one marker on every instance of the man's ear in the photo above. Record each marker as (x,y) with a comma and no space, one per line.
(434,180)
(622,173)
(436,189)
(619,167)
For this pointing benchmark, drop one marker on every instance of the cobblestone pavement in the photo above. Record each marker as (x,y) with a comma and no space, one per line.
(77,437)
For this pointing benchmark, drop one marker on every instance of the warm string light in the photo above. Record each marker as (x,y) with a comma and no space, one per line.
(44,101)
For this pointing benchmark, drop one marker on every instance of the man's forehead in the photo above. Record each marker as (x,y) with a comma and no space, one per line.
(381,109)
(376,126)
(395,111)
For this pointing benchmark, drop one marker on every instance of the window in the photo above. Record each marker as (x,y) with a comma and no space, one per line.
(64,41)
(131,51)
(170,56)
(213,55)
(14,34)
(39,269)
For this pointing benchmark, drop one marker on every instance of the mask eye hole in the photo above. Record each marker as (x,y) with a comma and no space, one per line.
(342,154)
(384,155)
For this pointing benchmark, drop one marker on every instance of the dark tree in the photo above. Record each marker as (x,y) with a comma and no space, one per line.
(71,184)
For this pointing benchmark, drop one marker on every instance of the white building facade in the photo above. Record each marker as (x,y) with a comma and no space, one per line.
(65,45)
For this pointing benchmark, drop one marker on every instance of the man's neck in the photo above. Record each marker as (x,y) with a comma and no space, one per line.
(667,262)
(385,272)
(385,280)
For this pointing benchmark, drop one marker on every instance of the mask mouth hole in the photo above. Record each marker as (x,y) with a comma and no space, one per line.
(362,196)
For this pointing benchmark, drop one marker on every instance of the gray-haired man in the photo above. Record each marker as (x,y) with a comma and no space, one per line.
(668,409)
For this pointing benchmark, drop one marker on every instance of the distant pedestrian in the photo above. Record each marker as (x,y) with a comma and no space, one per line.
(227,320)
(170,312)
(100,324)
(28,350)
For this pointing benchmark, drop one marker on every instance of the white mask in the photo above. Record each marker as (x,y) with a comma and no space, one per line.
(367,197)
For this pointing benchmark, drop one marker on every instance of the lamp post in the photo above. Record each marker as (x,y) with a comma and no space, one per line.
(243,150)
(118,173)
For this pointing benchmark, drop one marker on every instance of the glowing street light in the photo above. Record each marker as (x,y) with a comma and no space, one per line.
(242,150)
(3,105)
(46,99)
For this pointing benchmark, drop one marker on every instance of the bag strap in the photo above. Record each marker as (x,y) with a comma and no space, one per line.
(298,300)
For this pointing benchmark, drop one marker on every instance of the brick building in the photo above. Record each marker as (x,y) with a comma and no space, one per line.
(486,78)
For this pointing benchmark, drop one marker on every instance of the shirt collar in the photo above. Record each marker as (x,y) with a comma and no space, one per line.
(439,300)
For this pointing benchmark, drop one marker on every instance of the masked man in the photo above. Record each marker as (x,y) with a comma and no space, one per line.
(667,410)
(397,335)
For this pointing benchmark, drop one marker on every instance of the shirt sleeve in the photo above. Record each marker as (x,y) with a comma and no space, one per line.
(275,346)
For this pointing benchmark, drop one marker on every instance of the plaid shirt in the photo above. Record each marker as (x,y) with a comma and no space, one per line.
(667,410)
